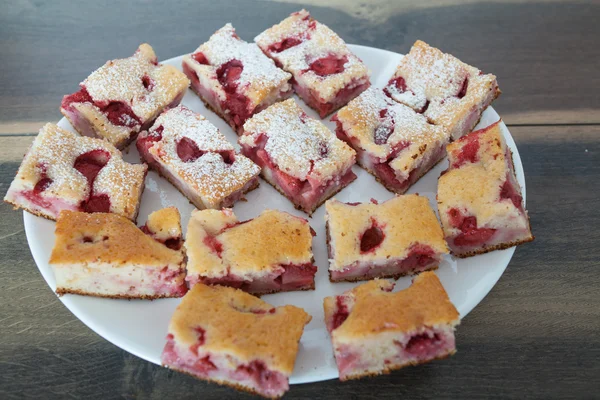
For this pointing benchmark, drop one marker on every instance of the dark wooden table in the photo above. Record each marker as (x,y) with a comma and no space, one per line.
(536,335)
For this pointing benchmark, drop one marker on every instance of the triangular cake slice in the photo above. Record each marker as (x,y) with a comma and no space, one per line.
(375,331)
(106,255)
(224,335)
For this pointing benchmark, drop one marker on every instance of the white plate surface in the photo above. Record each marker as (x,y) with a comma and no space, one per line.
(140,327)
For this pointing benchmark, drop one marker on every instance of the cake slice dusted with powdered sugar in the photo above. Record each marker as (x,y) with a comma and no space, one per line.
(124,96)
(298,155)
(447,91)
(195,157)
(392,141)
(234,77)
(375,331)
(65,171)
(106,255)
(327,75)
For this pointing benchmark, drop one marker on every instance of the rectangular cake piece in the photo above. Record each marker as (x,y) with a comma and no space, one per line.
(401,236)
(106,255)
(268,254)
(124,96)
(298,155)
(479,198)
(393,142)
(375,331)
(443,88)
(65,171)
(193,155)
(327,75)
(229,337)
(234,78)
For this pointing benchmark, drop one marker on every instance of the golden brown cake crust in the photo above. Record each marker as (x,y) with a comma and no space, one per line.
(109,238)
(63,291)
(232,326)
(424,303)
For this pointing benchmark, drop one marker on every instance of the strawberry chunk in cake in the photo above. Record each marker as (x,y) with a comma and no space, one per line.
(444,89)
(479,199)
(392,141)
(298,155)
(106,255)
(65,171)
(270,253)
(164,226)
(327,75)
(195,157)
(398,237)
(375,331)
(124,96)
(224,335)
(234,77)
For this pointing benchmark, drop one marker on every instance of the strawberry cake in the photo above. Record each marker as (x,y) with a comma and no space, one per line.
(123,97)
(164,226)
(65,171)
(327,75)
(197,159)
(268,254)
(234,78)
(400,236)
(106,255)
(375,331)
(393,142)
(447,91)
(479,199)
(298,155)
(223,335)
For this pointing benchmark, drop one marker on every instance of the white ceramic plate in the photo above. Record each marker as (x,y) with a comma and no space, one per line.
(140,327)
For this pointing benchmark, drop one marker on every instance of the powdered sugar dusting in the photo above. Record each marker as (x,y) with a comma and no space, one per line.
(259,71)
(298,144)
(209,174)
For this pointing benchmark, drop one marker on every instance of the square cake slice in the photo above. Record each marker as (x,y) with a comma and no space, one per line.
(327,75)
(224,335)
(193,155)
(393,142)
(65,171)
(400,236)
(375,331)
(124,96)
(443,88)
(234,78)
(479,198)
(106,255)
(268,254)
(298,155)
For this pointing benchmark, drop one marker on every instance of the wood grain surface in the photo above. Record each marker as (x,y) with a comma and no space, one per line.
(536,335)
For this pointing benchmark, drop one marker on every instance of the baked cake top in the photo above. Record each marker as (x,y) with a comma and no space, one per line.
(229,321)
(217,243)
(299,145)
(139,81)
(199,154)
(165,224)
(403,221)
(83,238)
(384,127)
(299,42)
(55,156)
(258,77)
(480,179)
(374,309)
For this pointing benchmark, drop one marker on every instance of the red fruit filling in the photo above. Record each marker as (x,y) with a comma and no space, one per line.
(328,65)
(228,156)
(508,191)
(399,83)
(371,238)
(148,83)
(468,152)
(260,374)
(236,103)
(42,185)
(385,129)
(419,344)
(200,341)
(200,58)
(172,243)
(341,313)
(419,256)
(89,165)
(187,150)
(229,73)
(284,44)
(424,108)
(470,234)
(117,112)
(214,245)
(463,89)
